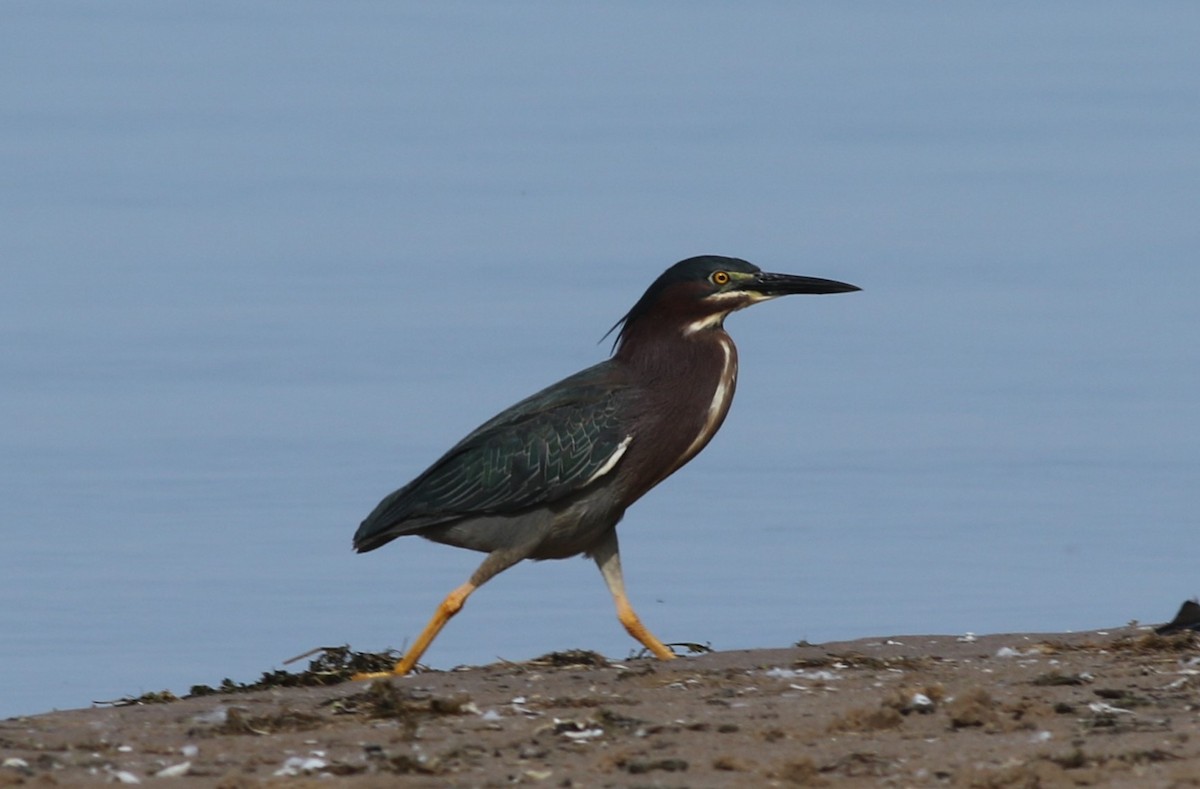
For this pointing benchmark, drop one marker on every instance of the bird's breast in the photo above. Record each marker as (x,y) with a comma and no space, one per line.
(684,406)
(718,405)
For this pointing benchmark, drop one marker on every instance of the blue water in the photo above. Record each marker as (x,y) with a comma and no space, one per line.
(262,263)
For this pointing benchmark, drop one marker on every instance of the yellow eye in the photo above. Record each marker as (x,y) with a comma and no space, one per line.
(720,277)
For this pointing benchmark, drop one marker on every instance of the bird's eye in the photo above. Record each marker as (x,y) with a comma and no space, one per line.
(720,278)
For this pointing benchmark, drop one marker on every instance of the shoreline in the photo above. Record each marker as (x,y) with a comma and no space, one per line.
(1116,707)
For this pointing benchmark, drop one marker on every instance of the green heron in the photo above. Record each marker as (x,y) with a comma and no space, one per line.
(552,476)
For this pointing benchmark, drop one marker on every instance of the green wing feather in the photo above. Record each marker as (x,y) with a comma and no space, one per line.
(539,451)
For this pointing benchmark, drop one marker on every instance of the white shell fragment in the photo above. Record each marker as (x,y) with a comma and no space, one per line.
(817,675)
(174,771)
(577,731)
(921,703)
(301,765)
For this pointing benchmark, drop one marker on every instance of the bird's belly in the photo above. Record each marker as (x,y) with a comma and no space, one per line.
(551,532)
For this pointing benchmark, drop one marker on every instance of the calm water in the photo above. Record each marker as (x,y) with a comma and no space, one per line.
(261,264)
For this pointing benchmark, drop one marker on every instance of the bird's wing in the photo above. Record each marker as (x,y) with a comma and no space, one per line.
(539,451)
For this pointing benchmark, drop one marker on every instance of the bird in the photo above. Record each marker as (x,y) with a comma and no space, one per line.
(552,476)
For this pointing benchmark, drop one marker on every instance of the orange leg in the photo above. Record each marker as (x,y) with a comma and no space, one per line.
(496,562)
(608,559)
(445,612)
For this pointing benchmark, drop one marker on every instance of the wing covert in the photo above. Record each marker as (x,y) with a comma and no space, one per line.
(539,451)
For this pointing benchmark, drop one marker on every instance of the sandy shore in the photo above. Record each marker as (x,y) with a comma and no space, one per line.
(1104,708)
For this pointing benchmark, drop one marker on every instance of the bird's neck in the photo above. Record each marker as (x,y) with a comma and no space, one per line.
(687,381)
(670,349)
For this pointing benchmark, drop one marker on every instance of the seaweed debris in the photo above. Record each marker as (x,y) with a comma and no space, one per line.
(332,665)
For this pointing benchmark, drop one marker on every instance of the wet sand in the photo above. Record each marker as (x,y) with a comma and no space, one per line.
(1105,708)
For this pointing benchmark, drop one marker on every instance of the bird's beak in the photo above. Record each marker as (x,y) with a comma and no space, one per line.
(771,285)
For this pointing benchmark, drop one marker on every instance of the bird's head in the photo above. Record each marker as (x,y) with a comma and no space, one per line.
(696,294)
